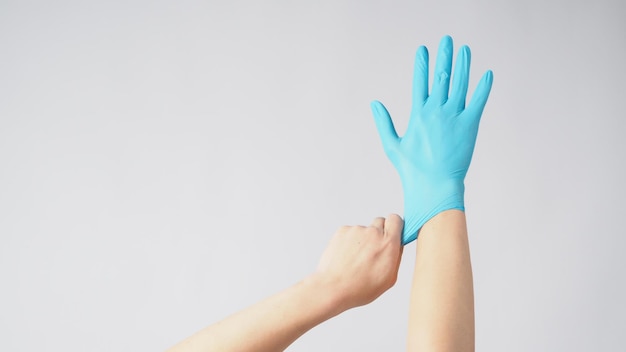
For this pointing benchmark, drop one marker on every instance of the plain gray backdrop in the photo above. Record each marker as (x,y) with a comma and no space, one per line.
(164,164)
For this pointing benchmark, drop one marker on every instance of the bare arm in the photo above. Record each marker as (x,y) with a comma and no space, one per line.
(442,297)
(270,325)
(359,264)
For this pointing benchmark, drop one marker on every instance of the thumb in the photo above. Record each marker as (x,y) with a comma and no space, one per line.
(393,227)
(385,127)
(480,96)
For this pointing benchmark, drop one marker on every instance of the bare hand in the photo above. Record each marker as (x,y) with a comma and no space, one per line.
(361,263)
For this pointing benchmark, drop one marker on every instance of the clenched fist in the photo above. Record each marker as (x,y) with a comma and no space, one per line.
(361,263)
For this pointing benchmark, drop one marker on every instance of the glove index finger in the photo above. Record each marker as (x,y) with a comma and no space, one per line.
(460,79)
(420,76)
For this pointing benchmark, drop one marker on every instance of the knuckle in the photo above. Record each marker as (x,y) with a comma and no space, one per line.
(372,230)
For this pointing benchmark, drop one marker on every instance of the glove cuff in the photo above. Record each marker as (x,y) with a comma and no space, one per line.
(419,207)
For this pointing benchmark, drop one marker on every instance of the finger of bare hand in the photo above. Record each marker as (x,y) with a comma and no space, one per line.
(378,223)
(393,227)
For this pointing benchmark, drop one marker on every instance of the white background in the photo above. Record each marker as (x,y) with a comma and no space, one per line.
(165,164)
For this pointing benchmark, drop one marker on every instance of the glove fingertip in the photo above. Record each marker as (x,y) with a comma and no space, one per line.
(487,81)
(375,106)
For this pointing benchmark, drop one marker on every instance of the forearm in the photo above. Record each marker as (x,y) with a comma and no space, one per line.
(359,264)
(270,325)
(442,298)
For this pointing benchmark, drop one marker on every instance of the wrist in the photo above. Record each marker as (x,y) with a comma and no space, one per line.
(432,186)
(425,198)
(328,294)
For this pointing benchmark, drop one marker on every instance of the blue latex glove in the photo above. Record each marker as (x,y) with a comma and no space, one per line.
(434,155)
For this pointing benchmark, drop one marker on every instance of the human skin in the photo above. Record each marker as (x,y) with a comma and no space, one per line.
(359,264)
(442,296)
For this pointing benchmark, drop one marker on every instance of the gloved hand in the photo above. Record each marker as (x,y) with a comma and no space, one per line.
(434,155)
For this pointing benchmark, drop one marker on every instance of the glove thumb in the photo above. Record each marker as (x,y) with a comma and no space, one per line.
(384,125)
